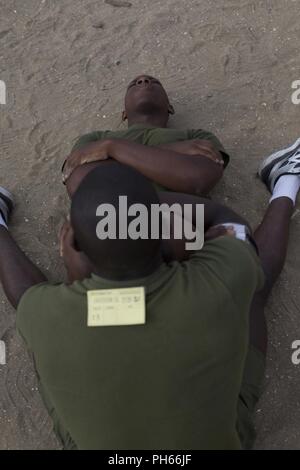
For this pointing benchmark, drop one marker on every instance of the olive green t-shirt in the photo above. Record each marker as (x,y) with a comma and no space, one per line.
(172,383)
(153,136)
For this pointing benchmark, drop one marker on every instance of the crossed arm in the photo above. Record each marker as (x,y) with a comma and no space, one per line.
(18,273)
(192,167)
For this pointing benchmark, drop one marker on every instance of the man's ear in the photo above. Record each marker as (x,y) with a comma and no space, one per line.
(66,238)
(124,116)
(171,109)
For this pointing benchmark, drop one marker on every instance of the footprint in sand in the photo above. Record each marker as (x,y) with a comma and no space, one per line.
(118,3)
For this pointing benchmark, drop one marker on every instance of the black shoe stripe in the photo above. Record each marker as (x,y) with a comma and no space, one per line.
(3,216)
(7,201)
(267,170)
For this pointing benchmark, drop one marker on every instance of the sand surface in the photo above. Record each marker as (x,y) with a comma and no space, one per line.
(228,66)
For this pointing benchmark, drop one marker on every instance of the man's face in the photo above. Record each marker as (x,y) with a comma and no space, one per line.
(145,93)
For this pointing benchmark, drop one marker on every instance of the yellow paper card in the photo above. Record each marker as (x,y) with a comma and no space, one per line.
(113,307)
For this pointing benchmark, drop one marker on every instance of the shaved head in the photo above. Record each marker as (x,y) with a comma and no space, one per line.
(114,258)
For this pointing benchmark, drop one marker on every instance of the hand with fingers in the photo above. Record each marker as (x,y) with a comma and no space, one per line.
(199,147)
(92,152)
(218,231)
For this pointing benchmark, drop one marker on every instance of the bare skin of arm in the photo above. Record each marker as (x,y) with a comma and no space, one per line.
(214,213)
(79,267)
(194,172)
(214,216)
(179,172)
(17,272)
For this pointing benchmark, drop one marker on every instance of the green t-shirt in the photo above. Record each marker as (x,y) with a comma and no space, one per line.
(152,136)
(172,383)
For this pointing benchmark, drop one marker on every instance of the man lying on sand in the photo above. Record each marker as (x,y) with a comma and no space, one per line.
(186,379)
(189,161)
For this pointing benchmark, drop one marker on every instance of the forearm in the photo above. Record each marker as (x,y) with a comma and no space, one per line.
(17,272)
(175,171)
(214,213)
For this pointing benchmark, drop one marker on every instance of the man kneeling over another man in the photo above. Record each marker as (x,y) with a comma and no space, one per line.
(172,382)
(183,371)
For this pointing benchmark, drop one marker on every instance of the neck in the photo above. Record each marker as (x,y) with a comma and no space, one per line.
(130,275)
(149,120)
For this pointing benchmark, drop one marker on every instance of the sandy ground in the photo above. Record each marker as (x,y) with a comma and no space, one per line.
(228,66)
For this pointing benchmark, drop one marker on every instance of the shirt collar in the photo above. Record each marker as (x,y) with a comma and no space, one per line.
(142,126)
(152,282)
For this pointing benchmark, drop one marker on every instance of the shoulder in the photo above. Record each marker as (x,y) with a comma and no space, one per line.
(87,138)
(233,262)
(41,306)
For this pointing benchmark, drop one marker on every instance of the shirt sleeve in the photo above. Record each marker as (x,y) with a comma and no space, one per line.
(32,311)
(36,319)
(233,263)
(205,135)
(88,138)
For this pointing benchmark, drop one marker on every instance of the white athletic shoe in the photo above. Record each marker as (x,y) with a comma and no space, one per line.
(284,162)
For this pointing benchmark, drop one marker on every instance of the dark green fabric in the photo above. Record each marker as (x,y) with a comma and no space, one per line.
(152,136)
(251,390)
(172,383)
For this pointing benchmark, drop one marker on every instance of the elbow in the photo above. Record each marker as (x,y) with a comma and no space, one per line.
(201,182)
